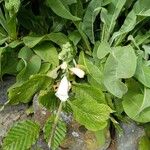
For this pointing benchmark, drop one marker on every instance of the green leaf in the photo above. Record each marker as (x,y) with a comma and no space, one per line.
(58,38)
(92,11)
(106,2)
(47,52)
(89,113)
(92,92)
(9,61)
(15,43)
(48,99)
(110,16)
(121,63)
(136,102)
(3,22)
(21,136)
(30,41)
(24,92)
(3,35)
(25,53)
(84,37)
(59,135)
(12,27)
(69,2)
(142,73)
(93,71)
(103,49)
(144,143)
(45,67)
(58,8)
(29,64)
(141,8)
(77,8)
(74,37)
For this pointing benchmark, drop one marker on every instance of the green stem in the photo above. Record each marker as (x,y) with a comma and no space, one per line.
(55,124)
(103,32)
(2,108)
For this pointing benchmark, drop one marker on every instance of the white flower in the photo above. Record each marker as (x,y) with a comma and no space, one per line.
(63,65)
(78,72)
(63,89)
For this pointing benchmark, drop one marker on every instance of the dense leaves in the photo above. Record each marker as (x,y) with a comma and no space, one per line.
(105,41)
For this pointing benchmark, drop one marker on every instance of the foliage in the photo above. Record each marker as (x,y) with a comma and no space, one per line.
(106,42)
(22,135)
(59,134)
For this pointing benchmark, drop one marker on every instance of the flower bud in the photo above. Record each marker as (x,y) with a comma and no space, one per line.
(78,72)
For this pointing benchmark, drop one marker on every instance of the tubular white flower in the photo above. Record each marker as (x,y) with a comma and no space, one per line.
(78,72)
(63,89)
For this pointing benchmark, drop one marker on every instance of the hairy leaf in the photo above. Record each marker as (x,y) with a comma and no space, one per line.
(121,63)
(103,49)
(136,102)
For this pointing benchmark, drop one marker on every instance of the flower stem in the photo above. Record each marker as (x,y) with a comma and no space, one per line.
(55,124)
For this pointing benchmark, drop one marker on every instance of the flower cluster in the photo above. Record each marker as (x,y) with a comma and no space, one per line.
(65,85)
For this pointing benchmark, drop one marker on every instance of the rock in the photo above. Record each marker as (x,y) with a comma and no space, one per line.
(10,114)
(40,113)
(4,85)
(130,137)
(78,138)
(40,144)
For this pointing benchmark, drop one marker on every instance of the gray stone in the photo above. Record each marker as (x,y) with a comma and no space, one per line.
(130,137)
(10,114)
